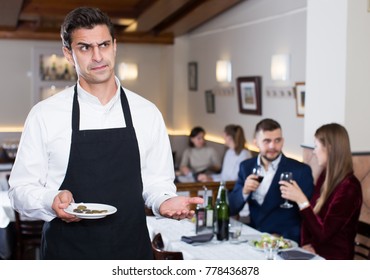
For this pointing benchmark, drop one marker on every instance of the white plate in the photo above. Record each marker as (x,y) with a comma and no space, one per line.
(92,206)
(252,241)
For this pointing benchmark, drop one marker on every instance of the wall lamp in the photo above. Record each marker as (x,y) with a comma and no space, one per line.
(280,67)
(223,71)
(223,76)
(280,73)
(127,71)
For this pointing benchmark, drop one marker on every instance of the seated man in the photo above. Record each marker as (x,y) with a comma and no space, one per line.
(264,198)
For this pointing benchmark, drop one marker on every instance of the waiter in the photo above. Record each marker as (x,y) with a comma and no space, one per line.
(95,142)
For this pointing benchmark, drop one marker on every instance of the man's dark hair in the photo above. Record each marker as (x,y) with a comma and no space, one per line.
(266,125)
(83,17)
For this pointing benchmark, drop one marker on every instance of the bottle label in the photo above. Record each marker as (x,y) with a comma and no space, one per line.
(200,220)
(209,218)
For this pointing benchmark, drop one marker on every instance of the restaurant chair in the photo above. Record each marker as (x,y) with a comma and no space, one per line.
(160,253)
(28,237)
(362,242)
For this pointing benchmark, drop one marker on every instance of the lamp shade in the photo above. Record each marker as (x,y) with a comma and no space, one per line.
(127,71)
(223,71)
(280,67)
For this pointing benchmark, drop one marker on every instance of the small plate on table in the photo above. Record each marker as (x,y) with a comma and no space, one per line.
(90,210)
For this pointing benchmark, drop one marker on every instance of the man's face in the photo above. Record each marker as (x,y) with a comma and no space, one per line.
(93,54)
(270,144)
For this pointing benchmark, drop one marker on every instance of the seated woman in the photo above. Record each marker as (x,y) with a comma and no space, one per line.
(198,157)
(235,154)
(329,220)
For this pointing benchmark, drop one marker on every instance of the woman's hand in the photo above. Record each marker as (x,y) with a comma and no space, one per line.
(204,178)
(291,191)
(309,248)
(185,170)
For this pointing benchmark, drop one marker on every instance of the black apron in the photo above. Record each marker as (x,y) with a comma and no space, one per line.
(103,167)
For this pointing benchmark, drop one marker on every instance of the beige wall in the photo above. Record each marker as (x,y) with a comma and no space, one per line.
(17,75)
(247,35)
(338,67)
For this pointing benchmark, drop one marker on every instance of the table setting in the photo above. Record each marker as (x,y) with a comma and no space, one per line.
(181,236)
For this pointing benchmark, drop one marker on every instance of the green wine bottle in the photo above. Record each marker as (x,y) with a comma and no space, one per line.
(222,214)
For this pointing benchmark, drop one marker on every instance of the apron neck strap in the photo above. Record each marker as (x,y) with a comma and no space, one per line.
(76,110)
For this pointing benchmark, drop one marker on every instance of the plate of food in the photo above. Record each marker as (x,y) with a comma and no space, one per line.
(283,243)
(90,210)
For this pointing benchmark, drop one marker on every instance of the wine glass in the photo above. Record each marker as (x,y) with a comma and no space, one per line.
(257,170)
(286,176)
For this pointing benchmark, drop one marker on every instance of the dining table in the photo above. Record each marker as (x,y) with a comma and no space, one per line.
(241,249)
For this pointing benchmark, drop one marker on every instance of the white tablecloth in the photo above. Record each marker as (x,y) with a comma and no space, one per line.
(172,230)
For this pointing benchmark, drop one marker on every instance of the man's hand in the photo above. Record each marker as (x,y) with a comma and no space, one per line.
(178,207)
(250,184)
(62,201)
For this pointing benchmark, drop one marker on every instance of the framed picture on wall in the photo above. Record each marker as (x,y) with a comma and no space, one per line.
(249,95)
(300,96)
(210,101)
(193,76)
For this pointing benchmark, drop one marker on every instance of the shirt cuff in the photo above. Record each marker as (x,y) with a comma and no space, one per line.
(245,196)
(159,201)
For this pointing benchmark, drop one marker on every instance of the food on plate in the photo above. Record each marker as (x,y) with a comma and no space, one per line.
(83,209)
(272,240)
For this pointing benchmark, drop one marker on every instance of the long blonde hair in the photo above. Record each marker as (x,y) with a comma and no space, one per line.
(335,139)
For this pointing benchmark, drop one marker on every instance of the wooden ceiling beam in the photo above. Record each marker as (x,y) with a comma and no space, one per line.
(9,12)
(158,21)
(139,38)
(203,13)
(157,13)
(114,8)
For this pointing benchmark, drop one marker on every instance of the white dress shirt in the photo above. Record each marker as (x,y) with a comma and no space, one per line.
(268,176)
(43,152)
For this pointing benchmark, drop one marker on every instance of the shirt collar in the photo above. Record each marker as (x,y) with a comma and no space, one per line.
(93,100)
(274,164)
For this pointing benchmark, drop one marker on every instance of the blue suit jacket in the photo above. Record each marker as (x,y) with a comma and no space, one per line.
(270,217)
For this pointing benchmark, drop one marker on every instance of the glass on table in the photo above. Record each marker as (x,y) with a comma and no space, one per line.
(235,230)
(271,249)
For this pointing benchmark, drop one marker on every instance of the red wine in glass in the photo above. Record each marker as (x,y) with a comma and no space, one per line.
(259,172)
(260,178)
